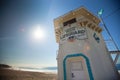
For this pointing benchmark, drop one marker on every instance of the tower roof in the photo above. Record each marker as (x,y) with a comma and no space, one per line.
(82,11)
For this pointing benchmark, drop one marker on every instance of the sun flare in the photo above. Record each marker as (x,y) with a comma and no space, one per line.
(39,33)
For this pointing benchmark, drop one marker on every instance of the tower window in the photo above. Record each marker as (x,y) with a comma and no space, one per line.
(69,22)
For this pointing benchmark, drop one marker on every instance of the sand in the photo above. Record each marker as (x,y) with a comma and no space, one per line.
(8,74)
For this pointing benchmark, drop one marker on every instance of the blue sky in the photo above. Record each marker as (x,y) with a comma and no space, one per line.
(19,17)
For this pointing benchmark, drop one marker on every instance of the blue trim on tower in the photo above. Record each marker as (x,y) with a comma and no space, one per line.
(77,55)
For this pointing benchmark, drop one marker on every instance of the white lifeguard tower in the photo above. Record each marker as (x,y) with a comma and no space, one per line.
(82,53)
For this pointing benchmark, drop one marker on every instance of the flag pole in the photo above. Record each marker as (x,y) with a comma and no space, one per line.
(105,27)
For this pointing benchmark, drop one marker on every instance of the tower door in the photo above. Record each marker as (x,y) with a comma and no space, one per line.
(78,71)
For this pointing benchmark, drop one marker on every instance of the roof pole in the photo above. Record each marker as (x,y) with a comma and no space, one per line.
(106,29)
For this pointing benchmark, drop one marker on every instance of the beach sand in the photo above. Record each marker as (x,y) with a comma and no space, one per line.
(8,74)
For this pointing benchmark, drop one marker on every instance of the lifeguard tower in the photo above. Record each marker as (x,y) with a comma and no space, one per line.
(82,53)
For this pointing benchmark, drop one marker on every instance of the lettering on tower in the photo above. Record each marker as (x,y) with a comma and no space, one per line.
(72,32)
(96,37)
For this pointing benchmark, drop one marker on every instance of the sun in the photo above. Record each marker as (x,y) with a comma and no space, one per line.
(39,33)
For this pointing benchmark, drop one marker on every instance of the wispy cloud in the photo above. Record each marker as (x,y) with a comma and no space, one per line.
(7,38)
